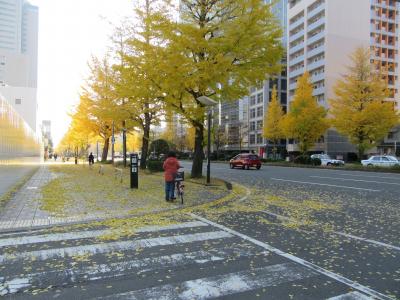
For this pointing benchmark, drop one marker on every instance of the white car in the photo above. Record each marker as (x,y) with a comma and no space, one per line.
(326,160)
(380,161)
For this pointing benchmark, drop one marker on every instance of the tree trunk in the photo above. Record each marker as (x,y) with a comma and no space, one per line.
(145,145)
(197,167)
(105,149)
(360,153)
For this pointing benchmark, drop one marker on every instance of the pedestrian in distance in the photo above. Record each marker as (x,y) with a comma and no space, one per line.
(171,166)
(91,159)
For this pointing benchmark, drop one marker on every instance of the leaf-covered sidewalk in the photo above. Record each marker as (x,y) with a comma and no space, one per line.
(59,194)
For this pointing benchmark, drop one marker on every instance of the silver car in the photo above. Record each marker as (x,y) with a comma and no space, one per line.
(380,161)
(326,160)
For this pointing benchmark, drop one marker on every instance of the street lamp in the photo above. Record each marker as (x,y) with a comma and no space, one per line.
(209,103)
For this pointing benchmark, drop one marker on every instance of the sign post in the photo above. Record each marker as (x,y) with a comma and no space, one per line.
(134,171)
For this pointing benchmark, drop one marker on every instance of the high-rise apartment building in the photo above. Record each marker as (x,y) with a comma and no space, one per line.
(19,56)
(322,34)
(247,115)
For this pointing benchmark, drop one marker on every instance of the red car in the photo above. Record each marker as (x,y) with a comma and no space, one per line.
(245,160)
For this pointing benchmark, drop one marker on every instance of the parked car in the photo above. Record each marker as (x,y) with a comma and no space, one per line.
(381,161)
(326,160)
(245,160)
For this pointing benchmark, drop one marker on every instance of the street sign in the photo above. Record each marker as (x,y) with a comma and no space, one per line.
(134,171)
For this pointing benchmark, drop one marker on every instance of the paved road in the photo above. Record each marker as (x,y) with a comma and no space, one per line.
(238,254)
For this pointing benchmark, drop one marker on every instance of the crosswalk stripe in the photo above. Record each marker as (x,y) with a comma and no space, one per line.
(221,285)
(351,296)
(337,277)
(88,234)
(113,246)
(12,285)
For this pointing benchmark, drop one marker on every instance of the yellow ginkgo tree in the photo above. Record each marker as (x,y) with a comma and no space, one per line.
(359,110)
(306,121)
(272,129)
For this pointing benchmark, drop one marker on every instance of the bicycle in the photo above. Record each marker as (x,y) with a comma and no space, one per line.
(180,186)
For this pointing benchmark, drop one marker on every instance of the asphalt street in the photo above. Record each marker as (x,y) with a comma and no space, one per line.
(307,234)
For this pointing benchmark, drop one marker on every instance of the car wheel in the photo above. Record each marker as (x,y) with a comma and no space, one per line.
(258,167)
(370,165)
(247,167)
(329,164)
(231,166)
(243,166)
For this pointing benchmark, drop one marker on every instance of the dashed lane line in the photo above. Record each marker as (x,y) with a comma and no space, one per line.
(354,285)
(325,184)
(356,180)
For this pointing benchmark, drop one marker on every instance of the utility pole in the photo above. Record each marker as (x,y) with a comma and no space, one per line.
(124,141)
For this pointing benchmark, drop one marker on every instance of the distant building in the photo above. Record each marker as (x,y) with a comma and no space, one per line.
(19,57)
(47,138)
(322,34)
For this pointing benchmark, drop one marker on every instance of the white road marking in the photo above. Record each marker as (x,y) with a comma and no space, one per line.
(354,285)
(325,184)
(88,234)
(356,180)
(114,246)
(377,243)
(351,296)
(114,270)
(394,177)
(221,285)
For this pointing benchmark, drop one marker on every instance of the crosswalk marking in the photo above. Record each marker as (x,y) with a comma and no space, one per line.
(351,296)
(11,285)
(337,277)
(88,234)
(113,246)
(221,285)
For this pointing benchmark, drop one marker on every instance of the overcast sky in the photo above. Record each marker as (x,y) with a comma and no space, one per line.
(70,31)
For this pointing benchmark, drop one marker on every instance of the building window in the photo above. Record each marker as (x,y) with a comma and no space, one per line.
(252,113)
(252,100)
(252,125)
(252,139)
(18,101)
(260,98)
(259,124)
(259,138)
(259,111)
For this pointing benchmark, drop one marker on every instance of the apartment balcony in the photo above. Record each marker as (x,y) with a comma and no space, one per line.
(316,64)
(296,73)
(318,77)
(292,86)
(316,51)
(319,91)
(316,38)
(316,24)
(384,45)
(296,60)
(296,48)
(315,11)
(296,24)
(296,36)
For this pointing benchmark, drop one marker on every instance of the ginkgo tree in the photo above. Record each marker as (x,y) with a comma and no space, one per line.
(218,49)
(272,129)
(359,110)
(306,121)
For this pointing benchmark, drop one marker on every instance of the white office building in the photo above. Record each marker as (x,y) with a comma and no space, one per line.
(19,56)
(322,34)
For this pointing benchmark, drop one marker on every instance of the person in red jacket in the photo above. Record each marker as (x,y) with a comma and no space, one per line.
(170,166)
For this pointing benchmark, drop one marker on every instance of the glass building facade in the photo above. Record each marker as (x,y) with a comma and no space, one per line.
(18,142)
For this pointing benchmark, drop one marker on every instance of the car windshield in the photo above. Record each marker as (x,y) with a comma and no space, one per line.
(392,158)
(253,157)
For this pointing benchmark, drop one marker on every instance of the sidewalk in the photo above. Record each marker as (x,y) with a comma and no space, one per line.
(66,194)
